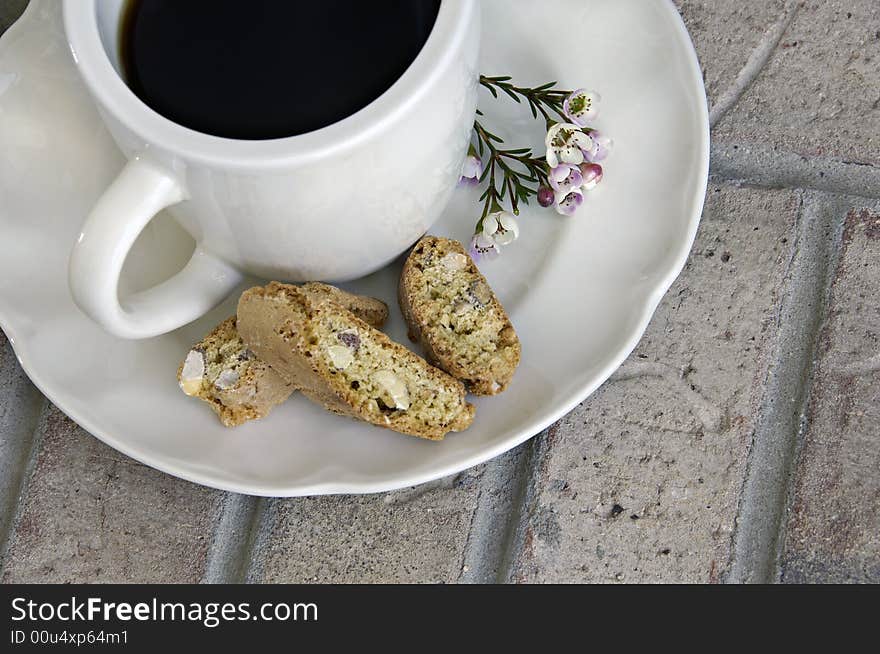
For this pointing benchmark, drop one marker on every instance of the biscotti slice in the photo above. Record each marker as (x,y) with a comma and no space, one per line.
(372,311)
(237,385)
(451,310)
(341,362)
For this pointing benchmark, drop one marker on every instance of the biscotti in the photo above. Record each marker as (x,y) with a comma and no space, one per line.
(237,385)
(220,370)
(342,363)
(451,310)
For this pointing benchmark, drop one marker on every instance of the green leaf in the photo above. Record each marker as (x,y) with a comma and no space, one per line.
(511,94)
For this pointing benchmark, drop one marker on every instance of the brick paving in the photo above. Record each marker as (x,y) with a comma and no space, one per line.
(833,532)
(642,481)
(91,514)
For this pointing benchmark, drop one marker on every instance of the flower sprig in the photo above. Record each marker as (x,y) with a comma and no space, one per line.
(514,175)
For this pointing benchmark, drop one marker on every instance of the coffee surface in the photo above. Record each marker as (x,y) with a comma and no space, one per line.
(265,69)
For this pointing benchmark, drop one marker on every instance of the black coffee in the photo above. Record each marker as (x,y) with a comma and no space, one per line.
(264,69)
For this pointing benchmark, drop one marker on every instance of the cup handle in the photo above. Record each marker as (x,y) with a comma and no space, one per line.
(140,191)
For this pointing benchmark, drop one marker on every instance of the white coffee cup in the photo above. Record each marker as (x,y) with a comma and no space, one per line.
(334,204)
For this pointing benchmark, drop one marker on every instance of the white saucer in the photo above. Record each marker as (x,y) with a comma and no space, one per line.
(579,290)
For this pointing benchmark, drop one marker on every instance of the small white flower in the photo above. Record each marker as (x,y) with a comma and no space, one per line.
(600,149)
(581,107)
(483,247)
(471,170)
(501,227)
(565,143)
(567,203)
(565,177)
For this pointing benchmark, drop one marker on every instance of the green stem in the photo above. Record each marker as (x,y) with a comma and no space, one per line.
(519,185)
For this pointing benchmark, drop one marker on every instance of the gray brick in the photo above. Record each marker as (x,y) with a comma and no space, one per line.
(641,482)
(833,533)
(411,536)
(92,514)
(724,34)
(819,93)
(20,405)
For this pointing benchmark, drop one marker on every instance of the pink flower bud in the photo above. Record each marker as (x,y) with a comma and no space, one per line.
(592,175)
(545,196)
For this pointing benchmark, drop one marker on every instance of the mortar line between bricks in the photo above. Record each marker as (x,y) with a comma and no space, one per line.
(765,167)
(523,506)
(486,555)
(760,523)
(232,545)
(18,478)
(261,534)
(758,58)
